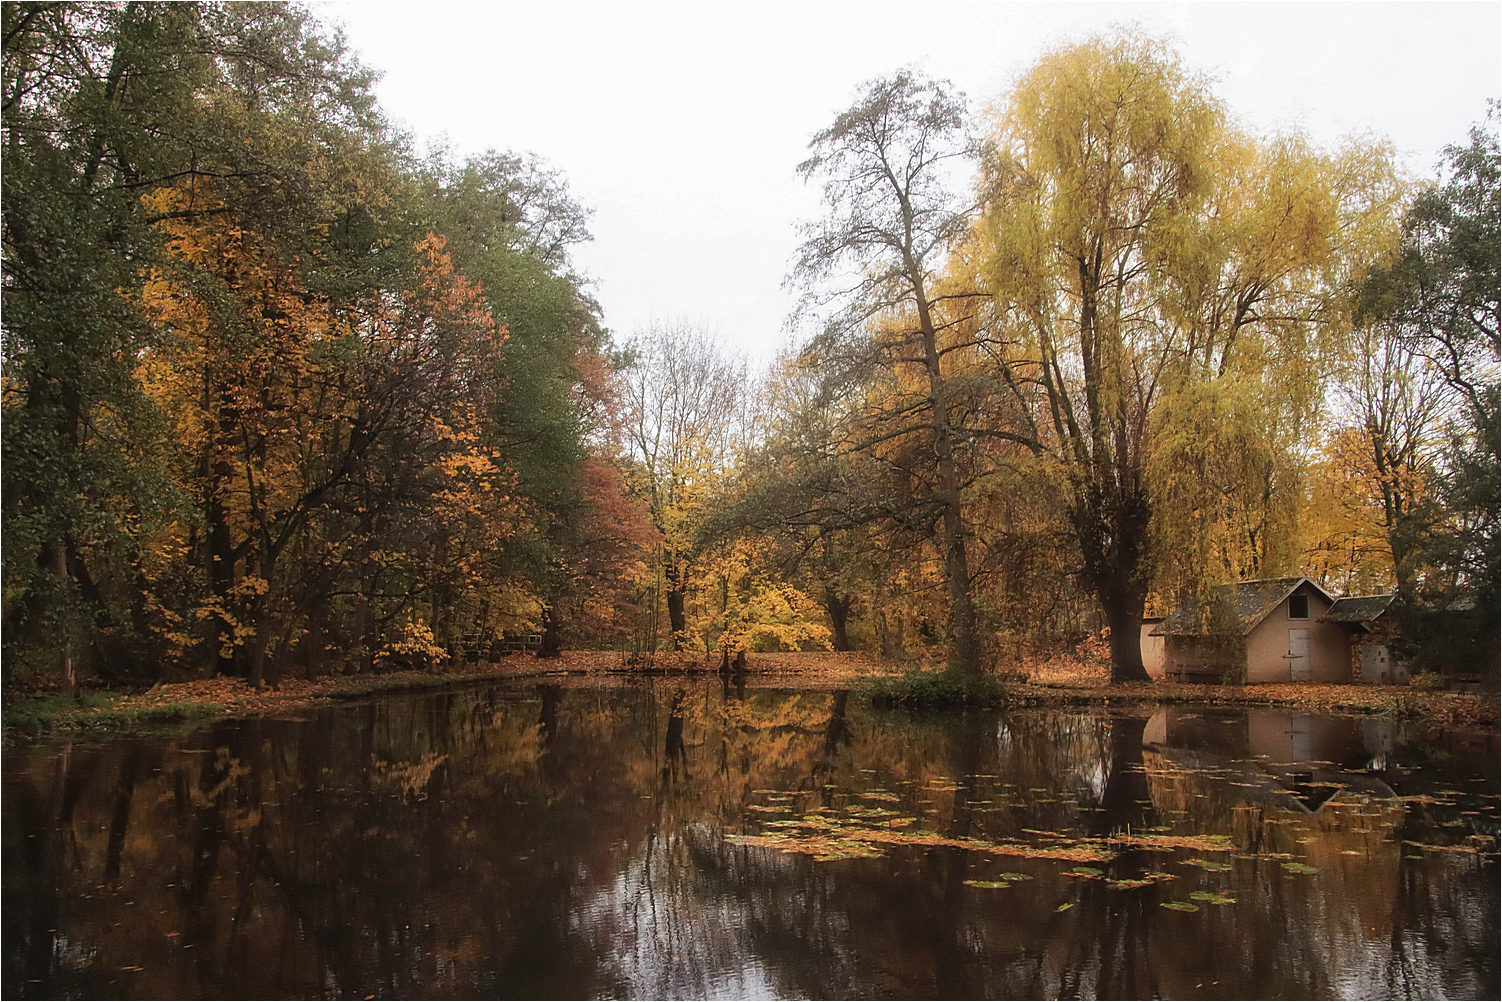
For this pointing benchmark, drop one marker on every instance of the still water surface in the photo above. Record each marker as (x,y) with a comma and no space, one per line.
(670,839)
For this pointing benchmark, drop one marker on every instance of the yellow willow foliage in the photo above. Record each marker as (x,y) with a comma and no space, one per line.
(1347,538)
(1173,293)
(1228,489)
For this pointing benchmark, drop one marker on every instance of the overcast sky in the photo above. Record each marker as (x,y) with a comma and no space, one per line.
(680,124)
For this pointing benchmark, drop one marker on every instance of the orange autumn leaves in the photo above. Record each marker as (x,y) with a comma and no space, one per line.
(322,434)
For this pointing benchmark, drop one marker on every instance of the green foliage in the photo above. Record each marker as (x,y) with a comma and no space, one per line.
(1440,302)
(258,410)
(94,711)
(922,689)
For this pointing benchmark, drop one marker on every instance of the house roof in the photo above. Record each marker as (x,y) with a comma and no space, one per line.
(1249,601)
(1357,609)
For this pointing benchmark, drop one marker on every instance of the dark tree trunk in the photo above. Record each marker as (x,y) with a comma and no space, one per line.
(552,634)
(677,621)
(1125,621)
(964,635)
(838,607)
(1112,533)
(221,547)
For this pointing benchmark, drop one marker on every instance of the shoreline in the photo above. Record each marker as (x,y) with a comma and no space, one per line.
(1067,682)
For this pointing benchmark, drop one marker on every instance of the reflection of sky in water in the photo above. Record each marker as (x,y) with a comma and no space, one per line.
(583,843)
(655,949)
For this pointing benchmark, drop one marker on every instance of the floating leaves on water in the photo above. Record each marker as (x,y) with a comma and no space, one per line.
(1160,875)
(1300,868)
(815,837)
(1083,871)
(1065,906)
(1213,897)
(1179,906)
(989,884)
(765,809)
(1206,864)
(1129,884)
(1167,843)
(881,795)
(852,853)
(1432,847)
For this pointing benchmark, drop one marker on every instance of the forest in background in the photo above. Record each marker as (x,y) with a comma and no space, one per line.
(284,396)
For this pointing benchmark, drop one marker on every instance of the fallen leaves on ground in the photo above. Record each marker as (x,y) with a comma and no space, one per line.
(1077,676)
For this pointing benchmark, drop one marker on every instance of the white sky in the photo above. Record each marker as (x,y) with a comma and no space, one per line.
(680,124)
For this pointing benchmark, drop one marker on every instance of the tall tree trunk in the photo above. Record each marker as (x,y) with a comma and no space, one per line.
(677,620)
(837,605)
(1125,623)
(552,633)
(59,561)
(1112,532)
(964,637)
(256,646)
(221,549)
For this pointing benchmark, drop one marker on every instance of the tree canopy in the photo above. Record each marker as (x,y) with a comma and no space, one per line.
(282,395)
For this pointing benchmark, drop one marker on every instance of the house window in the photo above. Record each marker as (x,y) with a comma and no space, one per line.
(1298,607)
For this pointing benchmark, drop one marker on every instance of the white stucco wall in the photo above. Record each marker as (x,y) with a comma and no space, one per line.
(1152,649)
(1329,646)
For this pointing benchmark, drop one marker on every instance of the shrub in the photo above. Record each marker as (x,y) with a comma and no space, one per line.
(414,650)
(947,689)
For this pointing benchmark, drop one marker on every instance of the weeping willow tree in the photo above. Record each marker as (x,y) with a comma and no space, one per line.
(1176,292)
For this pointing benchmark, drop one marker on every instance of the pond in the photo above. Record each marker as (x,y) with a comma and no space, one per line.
(691,839)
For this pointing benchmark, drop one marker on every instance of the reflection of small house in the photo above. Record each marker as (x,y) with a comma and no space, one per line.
(1257,631)
(1369,620)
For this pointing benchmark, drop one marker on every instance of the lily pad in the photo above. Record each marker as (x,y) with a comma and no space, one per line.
(1179,906)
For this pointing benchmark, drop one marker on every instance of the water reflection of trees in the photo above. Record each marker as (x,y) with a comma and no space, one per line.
(571,841)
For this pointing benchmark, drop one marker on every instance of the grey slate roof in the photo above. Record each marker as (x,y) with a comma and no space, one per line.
(1249,602)
(1357,609)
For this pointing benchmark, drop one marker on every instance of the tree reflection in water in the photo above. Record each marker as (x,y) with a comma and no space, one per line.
(571,841)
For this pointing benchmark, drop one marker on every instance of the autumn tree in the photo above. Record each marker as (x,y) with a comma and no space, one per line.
(1430,417)
(511,225)
(680,399)
(886,164)
(102,104)
(1161,271)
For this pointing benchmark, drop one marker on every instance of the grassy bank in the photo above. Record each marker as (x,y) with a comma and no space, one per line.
(1062,682)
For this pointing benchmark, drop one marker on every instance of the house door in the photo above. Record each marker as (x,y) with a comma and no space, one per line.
(1298,655)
